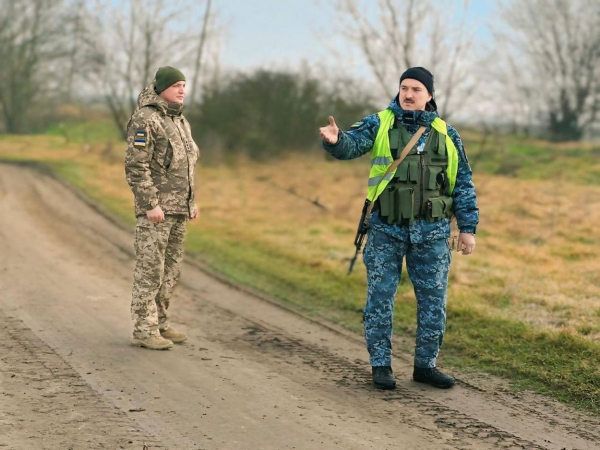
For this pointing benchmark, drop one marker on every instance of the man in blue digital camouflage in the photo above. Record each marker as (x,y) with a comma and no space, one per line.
(412,208)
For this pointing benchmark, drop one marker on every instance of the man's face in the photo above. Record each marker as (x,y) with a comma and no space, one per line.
(174,93)
(413,95)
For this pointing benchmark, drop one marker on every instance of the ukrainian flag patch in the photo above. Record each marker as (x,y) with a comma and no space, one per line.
(356,125)
(139,139)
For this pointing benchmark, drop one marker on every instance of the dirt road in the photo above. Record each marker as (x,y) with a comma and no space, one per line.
(252,375)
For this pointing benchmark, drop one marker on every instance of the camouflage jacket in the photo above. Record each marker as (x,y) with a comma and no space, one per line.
(160,157)
(359,141)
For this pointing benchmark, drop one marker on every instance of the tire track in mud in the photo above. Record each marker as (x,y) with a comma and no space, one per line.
(518,404)
(259,341)
(548,411)
(48,405)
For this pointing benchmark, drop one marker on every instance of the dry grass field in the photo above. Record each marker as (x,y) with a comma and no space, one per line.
(526,305)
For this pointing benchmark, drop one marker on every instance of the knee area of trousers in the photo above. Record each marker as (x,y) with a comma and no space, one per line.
(148,280)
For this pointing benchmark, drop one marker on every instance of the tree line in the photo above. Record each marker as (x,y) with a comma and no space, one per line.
(539,70)
(267,112)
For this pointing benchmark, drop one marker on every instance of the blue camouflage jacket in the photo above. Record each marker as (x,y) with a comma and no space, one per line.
(359,140)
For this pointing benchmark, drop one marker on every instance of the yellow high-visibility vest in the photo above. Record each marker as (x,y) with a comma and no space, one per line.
(381,155)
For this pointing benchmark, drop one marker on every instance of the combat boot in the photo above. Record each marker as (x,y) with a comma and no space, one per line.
(174,336)
(153,343)
(433,377)
(383,377)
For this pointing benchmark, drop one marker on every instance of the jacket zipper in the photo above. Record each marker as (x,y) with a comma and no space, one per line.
(422,210)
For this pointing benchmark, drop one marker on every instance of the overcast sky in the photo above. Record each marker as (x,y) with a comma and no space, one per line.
(266,33)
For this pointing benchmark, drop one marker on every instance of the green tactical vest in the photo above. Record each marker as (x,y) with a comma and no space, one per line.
(421,187)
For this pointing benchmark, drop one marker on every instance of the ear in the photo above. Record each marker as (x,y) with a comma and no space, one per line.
(430,97)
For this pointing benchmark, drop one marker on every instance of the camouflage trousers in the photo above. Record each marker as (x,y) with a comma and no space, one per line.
(427,265)
(158,254)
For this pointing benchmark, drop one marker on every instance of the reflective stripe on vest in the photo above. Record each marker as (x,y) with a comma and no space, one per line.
(381,155)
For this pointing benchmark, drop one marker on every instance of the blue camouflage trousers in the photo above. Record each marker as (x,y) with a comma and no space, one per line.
(427,264)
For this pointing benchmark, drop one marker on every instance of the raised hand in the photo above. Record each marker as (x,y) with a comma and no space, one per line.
(330,132)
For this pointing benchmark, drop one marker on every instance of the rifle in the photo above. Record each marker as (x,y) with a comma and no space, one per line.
(361,232)
(363,225)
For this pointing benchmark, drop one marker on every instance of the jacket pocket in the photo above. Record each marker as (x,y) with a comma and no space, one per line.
(163,153)
(396,204)
(402,171)
(434,174)
(441,145)
(439,208)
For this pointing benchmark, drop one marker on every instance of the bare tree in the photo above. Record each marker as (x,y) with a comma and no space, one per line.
(553,55)
(407,33)
(31,40)
(76,28)
(199,53)
(136,37)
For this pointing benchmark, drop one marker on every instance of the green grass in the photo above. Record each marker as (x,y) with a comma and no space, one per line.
(521,159)
(555,363)
(94,131)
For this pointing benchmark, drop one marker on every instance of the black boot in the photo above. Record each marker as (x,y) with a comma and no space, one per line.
(433,377)
(383,377)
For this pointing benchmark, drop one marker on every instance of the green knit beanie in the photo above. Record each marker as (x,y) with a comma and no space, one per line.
(166,77)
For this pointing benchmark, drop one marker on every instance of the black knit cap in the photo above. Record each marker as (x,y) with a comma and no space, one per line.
(166,77)
(424,76)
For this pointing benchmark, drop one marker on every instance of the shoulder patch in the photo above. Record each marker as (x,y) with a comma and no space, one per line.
(139,139)
(356,124)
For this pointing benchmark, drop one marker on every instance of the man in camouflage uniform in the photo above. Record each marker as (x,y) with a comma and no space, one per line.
(423,240)
(159,167)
